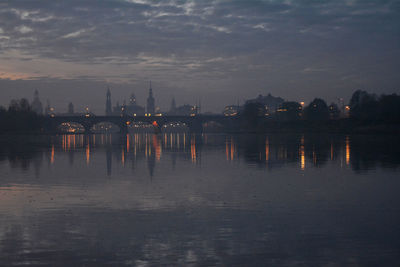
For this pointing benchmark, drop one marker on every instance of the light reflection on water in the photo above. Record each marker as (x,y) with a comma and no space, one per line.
(154,145)
(181,199)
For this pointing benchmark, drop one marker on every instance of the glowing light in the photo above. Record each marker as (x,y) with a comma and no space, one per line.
(87,153)
(157,147)
(347,150)
(227,149)
(127,143)
(193,149)
(232,148)
(302,154)
(52,154)
(266,149)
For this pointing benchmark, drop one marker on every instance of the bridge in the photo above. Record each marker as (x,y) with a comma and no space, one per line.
(194,123)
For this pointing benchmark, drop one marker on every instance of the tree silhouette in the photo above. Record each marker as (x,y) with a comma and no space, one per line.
(317,110)
(289,110)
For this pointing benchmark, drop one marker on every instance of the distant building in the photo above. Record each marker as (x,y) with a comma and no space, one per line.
(37,104)
(270,102)
(133,109)
(173,106)
(108,103)
(186,110)
(70,108)
(150,102)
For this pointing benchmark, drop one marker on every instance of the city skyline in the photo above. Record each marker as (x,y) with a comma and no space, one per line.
(217,52)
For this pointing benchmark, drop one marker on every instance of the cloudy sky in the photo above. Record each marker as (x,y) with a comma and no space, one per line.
(217,52)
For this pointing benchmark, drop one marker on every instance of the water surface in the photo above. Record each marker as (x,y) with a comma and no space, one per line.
(182,199)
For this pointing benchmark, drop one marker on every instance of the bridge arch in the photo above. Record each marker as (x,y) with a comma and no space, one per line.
(71,127)
(105,127)
(142,126)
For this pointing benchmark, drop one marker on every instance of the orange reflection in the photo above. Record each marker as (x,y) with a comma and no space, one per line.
(347,150)
(193,149)
(232,148)
(302,154)
(69,142)
(127,143)
(63,142)
(157,147)
(87,153)
(266,149)
(52,154)
(123,157)
(227,149)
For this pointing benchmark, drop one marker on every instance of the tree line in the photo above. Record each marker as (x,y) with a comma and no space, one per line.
(362,106)
(19,117)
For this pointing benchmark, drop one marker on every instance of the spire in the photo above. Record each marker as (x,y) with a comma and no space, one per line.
(150,91)
(108,102)
(150,101)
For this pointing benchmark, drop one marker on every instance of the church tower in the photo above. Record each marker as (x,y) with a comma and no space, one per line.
(150,102)
(36,104)
(108,103)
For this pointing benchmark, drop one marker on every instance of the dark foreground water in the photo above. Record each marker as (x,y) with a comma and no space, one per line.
(181,199)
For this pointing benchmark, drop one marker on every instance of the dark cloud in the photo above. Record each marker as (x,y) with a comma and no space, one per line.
(233,49)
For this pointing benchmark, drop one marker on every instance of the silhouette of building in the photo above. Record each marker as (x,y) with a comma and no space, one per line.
(173,106)
(271,103)
(37,104)
(70,108)
(108,103)
(185,110)
(150,102)
(133,109)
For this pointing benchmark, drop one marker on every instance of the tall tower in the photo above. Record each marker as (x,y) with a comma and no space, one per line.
(173,106)
(36,104)
(70,108)
(108,103)
(150,102)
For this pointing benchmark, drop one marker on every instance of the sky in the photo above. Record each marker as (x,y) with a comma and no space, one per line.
(216,52)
